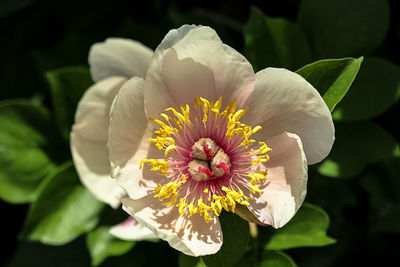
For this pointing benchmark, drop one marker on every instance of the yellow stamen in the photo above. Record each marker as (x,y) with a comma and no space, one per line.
(177,114)
(156,165)
(165,116)
(169,148)
(186,113)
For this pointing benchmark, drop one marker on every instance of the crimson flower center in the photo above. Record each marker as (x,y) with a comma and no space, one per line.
(208,161)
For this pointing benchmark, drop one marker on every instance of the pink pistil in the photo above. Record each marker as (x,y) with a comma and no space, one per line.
(223,166)
(129,222)
(208,152)
(206,171)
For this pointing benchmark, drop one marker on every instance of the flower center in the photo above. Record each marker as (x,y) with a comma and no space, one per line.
(208,161)
(211,163)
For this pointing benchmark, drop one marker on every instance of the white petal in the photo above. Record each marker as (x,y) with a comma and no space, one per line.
(286,185)
(132,230)
(246,214)
(283,101)
(196,63)
(92,114)
(89,137)
(129,138)
(91,162)
(176,35)
(119,57)
(185,80)
(233,75)
(190,235)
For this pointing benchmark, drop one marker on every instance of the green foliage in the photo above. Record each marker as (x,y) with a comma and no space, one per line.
(63,211)
(236,238)
(145,254)
(383,189)
(331,77)
(34,254)
(25,137)
(274,42)
(375,90)
(344,28)
(250,257)
(277,259)
(67,86)
(307,229)
(188,261)
(266,259)
(102,244)
(355,147)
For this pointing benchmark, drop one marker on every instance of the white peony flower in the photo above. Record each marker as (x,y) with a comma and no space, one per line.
(197,133)
(111,66)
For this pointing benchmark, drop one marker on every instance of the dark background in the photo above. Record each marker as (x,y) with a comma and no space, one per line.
(41,35)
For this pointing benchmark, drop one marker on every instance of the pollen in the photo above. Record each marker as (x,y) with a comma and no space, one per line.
(156,165)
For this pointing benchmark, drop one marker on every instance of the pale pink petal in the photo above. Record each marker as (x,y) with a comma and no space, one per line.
(286,185)
(233,75)
(283,101)
(119,57)
(154,80)
(89,137)
(176,35)
(129,135)
(196,63)
(130,229)
(190,235)
(185,79)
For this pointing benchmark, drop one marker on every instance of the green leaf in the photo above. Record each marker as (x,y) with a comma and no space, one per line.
(188,261)
(67,86)
(332,77)
(307,229)
(145,254)
(236,238)
(344,27)
(277,259)
(375,90)
(274,42)
(356,146)
(249,259)
(35,254)
(63,211)
(102,244)
(24,140)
